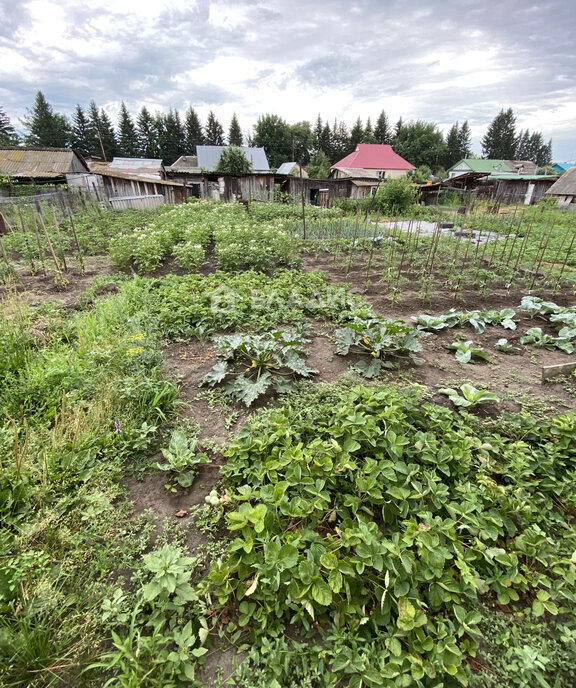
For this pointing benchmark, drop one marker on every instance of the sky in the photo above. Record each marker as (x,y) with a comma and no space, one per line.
(441,61)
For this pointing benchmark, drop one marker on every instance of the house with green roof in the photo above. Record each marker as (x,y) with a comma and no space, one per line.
(481,165)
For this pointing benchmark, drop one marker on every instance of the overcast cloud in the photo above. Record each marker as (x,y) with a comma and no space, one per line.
(440,61)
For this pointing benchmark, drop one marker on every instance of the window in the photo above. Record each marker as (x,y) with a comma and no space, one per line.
(381,174)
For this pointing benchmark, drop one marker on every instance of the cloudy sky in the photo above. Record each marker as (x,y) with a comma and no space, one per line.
(441,60)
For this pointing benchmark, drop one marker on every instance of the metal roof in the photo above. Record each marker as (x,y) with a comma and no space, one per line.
(566,185)
(374,156)
(356,172)
(40,163)
(185,163)
(149,167)
(208,157)
(288,168)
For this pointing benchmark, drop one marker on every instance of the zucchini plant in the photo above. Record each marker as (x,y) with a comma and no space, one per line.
(250,364)
(378,339)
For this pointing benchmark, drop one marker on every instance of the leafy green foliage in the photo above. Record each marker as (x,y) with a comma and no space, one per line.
(379,338)
(197,305)
(396,196)
(250,364)
(503,345)
(383,520)
(469,396)
(466,352)
(159,637)
(182,458)
(233,160)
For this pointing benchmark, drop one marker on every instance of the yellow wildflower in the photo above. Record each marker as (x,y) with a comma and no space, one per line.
(135,350)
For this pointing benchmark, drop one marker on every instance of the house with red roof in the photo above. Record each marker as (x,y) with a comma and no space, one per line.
(371,161)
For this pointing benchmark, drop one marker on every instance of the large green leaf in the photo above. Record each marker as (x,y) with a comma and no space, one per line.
(246,390)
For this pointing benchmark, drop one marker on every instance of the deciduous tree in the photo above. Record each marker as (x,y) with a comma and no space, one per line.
(421,143)
(319,166)
(273,134)
(233,161)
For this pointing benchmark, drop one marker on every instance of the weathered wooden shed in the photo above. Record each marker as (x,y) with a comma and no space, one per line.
(135,179)
(231,187)
(564,189)
(525,189)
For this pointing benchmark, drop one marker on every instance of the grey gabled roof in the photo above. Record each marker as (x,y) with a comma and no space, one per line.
(208,157)
(566,185)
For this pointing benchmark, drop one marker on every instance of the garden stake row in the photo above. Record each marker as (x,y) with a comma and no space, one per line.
(353,240)
(59,237)
(568,253)
(369,264)
(51,248)
(537,271)
(28,247)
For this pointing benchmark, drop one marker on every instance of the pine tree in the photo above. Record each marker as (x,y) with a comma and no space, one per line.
(127,136)
(147,134)
(397,129)
(82,135)
(235,137)
(452,155)
(499,142)
(457,144)
(8,136)
(356,134)
(325,140)
(318,129)
(465,140)
(171,136)
(96,144)
(369,133)
(107,135)
(193,130)
(523,147)
(46,128)
(214,131)
(382,131)
(340,142)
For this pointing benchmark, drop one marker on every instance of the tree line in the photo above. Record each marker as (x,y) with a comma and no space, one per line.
(169,135)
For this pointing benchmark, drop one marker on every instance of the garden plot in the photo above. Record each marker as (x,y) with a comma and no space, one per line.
(353,528)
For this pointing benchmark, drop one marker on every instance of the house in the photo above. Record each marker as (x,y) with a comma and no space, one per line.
(564,189)
(562,167)
(41,165)
(208,157)
(372,158)
(293,169)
